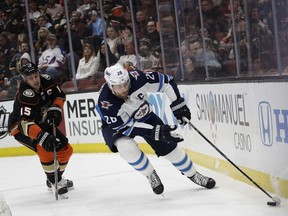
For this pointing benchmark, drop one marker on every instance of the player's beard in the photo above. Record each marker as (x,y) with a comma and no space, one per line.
(36,86)
(123,95)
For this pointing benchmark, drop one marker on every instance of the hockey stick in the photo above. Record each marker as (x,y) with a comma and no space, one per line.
(276,200)
(55,164)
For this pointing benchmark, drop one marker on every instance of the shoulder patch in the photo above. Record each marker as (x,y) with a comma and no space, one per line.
(29,93)
(27,96)
(46,76)
(134,74)
(105,104)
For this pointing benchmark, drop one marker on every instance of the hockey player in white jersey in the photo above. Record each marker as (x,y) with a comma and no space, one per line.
(125,111)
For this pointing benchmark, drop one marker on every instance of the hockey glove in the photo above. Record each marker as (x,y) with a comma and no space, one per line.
(163,132)
(47,141)
(54,114)
(180,110)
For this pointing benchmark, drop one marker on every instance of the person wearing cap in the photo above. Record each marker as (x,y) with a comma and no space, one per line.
(52,59)
(37,110)
(95,28)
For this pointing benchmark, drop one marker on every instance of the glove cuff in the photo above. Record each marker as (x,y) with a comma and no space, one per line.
(54,108)
(178,104)
(42,137)
(156,132)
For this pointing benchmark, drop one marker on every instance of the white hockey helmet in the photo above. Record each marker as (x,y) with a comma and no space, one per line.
(116,75)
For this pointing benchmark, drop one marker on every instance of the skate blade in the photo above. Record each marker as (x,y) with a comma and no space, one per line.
(69,189)
(60,196)
(63,196)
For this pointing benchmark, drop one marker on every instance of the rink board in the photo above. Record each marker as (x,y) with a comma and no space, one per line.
(247,121)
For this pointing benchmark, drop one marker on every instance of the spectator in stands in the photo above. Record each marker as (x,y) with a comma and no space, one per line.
(6,44)
(223,45)
(210,14)
(4,68)
(42,21)
(153,35)
(95,28)
(54,10)
(125,33)
(76,45)
(88,63)
(15,61)
(141,23)
(76,24)
(85,6)
(23,37)
(148,60)
(16,25)
(52,59)
(150,7)
(101,58)
(261,36)
(24,59)
(201,59)
(113,40)
(187,61)
(42,43)
(34,13)
(129,51)
(5,17)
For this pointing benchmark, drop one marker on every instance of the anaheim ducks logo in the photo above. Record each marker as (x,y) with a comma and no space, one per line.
(29,93)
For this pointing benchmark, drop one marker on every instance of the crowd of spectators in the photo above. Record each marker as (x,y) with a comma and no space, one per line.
(206,41)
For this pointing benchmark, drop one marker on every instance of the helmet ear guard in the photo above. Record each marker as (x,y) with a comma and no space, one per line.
(116,75)
(28,69)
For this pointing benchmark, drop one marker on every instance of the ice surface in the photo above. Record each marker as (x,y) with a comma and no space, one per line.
(106,185)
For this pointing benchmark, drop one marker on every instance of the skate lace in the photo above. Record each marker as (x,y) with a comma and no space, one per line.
(199,179)
(154,180)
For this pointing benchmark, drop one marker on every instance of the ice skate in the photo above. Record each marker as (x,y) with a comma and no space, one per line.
(66,182)
(155,183)
(61,189)
(201,180)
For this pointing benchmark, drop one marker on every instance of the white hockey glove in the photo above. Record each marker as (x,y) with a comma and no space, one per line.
(163,133)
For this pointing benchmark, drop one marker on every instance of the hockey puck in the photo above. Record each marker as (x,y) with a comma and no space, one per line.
(271,203)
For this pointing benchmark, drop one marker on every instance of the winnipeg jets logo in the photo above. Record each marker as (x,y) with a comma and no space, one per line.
(142,111)
(134,74)
(106,105)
